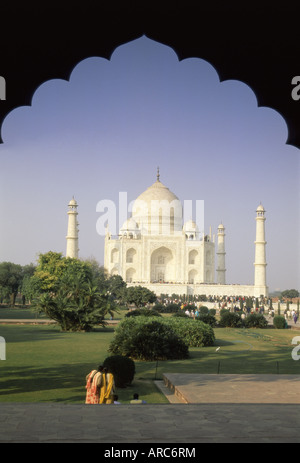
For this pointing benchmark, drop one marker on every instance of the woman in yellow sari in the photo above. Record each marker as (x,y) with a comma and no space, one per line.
(110,387)
(102,391)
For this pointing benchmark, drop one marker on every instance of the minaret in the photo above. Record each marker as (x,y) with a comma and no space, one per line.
(221,270)
(72,236)
(260,253)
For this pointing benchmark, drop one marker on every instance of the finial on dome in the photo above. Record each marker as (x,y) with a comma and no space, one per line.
(157,175)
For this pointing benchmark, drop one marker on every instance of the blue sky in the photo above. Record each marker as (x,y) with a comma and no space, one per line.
(107,129)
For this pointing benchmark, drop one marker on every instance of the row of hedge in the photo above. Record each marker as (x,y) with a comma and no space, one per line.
(175,308)
(227,319)
(234,320)
(254,320)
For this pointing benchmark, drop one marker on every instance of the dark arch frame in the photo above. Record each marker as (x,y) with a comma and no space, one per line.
(256,44)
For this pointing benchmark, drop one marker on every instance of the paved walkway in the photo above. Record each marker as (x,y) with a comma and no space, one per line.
(164,423)
(245,388)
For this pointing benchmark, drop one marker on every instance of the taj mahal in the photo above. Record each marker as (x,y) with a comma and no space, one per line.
(155,249)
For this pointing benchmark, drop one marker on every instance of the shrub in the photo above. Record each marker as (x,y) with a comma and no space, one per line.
(207,318)
(143,312)
(255,320)
(171,308)
(145,338)
(212,312)
(193,333)
(159,307)
(230,319)
(203,310)
(222,311)
(123,369)
(139,295)
(279,322)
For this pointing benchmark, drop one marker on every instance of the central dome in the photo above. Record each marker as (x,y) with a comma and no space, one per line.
(157,191)
(157,210)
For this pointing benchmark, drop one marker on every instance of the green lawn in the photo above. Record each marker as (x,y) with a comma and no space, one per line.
(19,312)
(44,364)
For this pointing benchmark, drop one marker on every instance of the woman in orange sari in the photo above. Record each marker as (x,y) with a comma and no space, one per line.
(93,385)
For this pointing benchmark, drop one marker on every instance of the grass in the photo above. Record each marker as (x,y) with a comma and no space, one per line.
(26,312)
(44,364)
(19,312)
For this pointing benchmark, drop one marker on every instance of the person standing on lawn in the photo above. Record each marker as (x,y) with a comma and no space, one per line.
(110,387)
(93,384)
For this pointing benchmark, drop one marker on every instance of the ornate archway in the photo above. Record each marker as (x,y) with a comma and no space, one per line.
(162,267)
(257,44)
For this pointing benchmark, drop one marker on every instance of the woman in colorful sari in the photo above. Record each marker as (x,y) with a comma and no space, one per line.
(93,384)
(110,387)
(103,387)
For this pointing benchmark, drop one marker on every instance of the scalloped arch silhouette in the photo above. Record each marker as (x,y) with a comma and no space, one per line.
(241,44)
(69,77)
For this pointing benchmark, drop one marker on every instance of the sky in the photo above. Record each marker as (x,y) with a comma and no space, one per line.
(107,129)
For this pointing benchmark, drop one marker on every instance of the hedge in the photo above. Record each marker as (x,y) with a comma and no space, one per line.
(194,333)
(279,322)
(230,319)
(122,367)
(255,320)
(145,338)
(208,318)
(143,312)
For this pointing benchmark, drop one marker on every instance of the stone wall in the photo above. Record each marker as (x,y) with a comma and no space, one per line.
(207,289)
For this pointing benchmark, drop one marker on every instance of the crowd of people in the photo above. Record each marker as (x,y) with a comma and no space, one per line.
(245,305)
(100,388)
(291,315)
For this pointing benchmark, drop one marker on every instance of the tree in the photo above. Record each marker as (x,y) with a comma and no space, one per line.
(139,295)
(249,303)
(10,279)
(290,293)
(69,291)
(50,268)
(99,273)
(27,288)
(117,287)
(76,308)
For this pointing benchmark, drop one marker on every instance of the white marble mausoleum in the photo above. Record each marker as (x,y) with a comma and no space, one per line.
(154,248)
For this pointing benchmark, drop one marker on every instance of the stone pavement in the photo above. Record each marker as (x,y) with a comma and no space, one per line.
(163,423)
(237,388)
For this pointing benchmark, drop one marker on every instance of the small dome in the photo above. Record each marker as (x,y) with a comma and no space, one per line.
(260,208)
(72,202)
(221,226)
(129,225)
(190,226)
